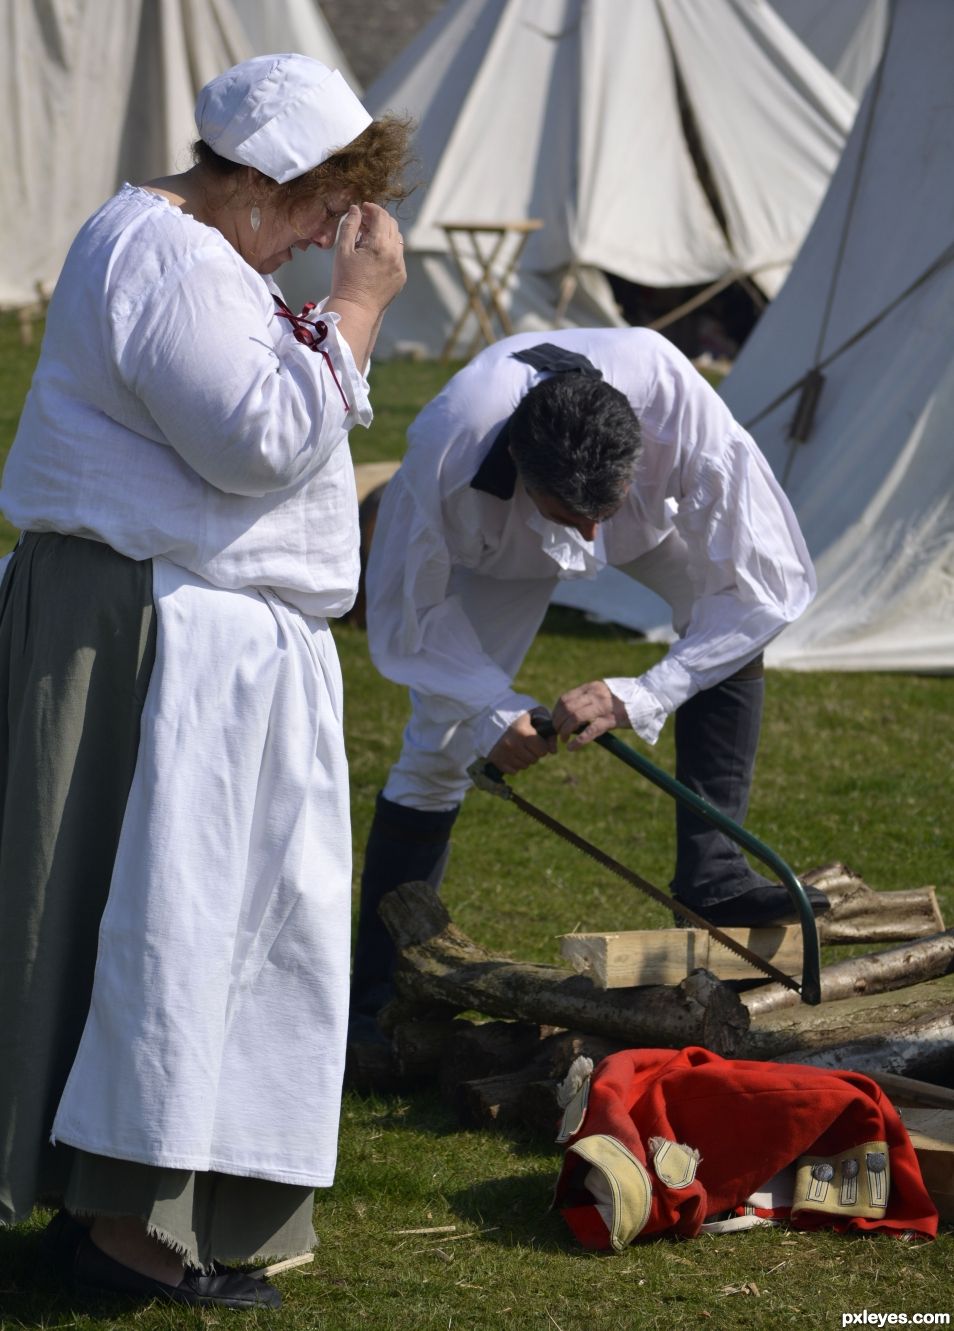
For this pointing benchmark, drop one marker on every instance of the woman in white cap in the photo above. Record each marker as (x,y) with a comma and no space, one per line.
(175,859)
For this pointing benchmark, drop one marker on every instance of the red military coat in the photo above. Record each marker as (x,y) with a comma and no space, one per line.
(660,1141)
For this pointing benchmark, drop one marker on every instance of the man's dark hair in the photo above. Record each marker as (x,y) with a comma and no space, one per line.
(577,438)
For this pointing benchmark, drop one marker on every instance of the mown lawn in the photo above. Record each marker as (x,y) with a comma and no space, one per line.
(852,767)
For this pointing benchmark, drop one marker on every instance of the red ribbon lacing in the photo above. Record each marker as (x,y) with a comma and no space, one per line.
(310,333)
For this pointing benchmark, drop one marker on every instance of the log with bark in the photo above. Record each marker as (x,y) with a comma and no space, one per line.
(907,1031)
(455,1050)
(874,973)
(527,1096)
(419,1047)
(490,1049)
(494,1073)
(860,915)
(437,963)
(923,1048)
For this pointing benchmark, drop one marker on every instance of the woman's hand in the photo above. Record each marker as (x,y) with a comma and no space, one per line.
(368,273)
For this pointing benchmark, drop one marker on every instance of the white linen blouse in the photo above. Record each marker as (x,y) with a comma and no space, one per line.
(174,414)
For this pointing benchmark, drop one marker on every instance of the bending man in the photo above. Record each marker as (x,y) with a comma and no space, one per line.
(548,460)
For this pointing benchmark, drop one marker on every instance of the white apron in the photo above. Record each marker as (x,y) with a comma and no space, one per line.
(216,1033)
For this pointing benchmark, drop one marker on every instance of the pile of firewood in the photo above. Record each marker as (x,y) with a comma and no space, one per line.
(889,1013)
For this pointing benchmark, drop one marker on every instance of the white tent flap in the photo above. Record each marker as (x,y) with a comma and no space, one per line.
(871,300)
(95,93)
(572,111)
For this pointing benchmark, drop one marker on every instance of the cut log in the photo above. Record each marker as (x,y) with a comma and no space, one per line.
(924,1049)
(666,956)
(438,963)
(490,1048)
(874,973)
(499,1101)
(527,1097)
(907,1031)
(418,1047)
(932,1136)
(859,915)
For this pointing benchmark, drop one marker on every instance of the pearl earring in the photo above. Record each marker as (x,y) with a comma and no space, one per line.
(255,218)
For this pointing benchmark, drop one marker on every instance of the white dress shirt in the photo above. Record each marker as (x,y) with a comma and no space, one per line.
(703,502)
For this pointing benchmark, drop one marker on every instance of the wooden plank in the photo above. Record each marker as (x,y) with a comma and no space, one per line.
(932,1136)
(666,956)
(912,1093)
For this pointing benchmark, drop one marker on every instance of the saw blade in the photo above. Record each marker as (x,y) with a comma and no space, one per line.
(645,886)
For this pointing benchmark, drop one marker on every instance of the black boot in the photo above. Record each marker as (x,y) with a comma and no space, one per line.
(717,735)
(404,846)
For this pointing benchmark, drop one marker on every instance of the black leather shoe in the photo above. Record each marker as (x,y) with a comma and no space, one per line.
(759,908)
(96,1273)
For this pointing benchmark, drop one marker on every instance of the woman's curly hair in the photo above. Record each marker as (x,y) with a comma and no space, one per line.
(369,169)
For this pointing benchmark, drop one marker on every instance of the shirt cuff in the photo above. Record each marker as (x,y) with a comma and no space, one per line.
(353,383)
(491,724)
(646,712)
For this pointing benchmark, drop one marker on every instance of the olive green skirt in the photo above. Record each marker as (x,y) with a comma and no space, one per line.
(77,645)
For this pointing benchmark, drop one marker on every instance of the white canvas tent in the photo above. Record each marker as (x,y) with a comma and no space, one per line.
(870,302)
(293,25)
(846,35)
(570,111)
(93,92)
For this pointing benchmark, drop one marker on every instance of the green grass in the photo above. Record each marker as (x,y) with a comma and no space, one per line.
(398,391)
(852,767)
(16,367)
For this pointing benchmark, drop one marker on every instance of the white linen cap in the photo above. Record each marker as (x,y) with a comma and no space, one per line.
(282,114)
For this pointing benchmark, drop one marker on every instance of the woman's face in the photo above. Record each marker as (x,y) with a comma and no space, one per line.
(313,223)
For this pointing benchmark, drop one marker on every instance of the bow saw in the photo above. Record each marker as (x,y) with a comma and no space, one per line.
(487,777)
